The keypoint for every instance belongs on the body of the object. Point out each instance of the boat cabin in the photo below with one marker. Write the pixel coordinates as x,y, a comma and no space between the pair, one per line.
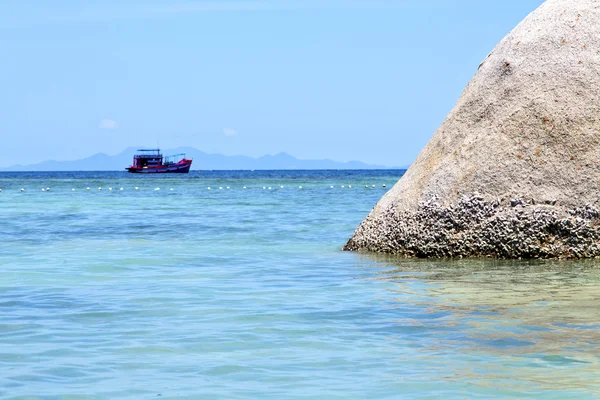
147,158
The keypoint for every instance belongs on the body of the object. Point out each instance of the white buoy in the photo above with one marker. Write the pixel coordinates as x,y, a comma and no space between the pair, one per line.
366,186
120,188
269,187
157,189
109,188
209,188
343,186
137,188
43,190
73,189
220,187
264,187
349,187
22,190
373,186
299,187
0,190
330,187
228,188
281,187
99,188
87,188
171,189
384,185
244,187
48,189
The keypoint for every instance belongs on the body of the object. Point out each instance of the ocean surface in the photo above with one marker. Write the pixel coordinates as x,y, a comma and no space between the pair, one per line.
237,293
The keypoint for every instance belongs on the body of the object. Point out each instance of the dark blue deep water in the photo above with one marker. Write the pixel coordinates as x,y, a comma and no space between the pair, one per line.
237,293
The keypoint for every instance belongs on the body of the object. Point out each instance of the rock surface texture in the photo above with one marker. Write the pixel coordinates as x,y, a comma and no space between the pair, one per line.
514,170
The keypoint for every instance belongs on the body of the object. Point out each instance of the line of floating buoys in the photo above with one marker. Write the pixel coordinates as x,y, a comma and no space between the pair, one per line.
47,189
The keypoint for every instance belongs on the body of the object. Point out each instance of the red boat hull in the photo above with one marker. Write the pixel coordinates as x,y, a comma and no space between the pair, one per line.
182,167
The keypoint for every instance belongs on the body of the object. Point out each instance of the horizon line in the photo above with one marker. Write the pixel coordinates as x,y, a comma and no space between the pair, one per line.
253,158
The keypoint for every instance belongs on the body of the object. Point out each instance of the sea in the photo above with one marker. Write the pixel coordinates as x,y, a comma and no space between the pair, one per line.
234,285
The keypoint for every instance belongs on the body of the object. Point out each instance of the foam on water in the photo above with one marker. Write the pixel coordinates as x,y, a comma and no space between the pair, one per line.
239,293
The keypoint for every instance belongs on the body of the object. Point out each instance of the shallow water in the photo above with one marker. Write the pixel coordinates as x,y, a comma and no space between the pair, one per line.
233,293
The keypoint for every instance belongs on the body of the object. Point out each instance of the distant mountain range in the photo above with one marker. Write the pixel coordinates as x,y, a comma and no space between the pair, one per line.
202,160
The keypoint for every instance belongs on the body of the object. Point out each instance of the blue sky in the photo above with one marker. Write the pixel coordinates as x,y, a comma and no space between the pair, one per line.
367,80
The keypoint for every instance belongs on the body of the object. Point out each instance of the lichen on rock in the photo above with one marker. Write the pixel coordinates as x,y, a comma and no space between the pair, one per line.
514,170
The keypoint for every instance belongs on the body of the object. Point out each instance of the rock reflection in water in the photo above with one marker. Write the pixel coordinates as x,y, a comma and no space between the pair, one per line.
535,322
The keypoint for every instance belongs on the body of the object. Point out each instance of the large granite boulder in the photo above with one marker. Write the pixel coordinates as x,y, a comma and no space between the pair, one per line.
514,171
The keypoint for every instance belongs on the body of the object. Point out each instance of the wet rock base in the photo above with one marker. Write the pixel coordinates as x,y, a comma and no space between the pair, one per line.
504,228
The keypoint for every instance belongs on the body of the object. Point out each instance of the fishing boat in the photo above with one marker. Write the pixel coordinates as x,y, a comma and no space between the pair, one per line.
151,161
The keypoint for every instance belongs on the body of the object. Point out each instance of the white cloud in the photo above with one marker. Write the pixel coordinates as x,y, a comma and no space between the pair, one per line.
108,124
229,132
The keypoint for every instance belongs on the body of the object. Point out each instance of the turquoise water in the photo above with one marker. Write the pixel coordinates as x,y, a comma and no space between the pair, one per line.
193,293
